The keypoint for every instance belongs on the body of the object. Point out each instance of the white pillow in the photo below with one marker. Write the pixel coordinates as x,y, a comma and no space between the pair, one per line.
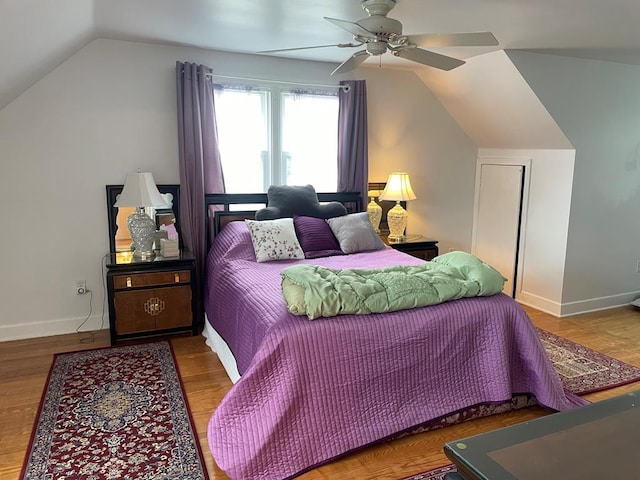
274,239
355,233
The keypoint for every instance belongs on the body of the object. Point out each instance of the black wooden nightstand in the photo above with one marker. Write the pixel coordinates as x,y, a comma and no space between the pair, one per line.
150,296
415,245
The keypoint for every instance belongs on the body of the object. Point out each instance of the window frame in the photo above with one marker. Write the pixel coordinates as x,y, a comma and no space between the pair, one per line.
274,172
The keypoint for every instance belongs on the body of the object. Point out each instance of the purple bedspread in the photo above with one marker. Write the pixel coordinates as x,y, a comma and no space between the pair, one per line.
313,390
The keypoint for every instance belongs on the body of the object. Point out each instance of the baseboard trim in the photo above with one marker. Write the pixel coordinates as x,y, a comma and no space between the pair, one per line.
539,303
575,308
51,327
596,304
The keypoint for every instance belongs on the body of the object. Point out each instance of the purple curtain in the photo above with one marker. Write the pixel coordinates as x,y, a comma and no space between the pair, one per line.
353,153
199,158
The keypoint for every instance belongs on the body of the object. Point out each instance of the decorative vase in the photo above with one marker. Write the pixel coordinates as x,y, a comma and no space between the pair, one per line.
375,214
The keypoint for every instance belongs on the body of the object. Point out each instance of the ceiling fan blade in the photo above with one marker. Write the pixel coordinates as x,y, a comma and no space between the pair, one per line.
351,27
474,39
339,45
352,62
431,59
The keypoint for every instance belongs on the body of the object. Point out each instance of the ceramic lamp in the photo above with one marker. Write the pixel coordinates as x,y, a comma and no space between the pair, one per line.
398,189
374,210
140,191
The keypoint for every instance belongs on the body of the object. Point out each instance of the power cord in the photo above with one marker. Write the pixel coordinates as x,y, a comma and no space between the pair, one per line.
90,337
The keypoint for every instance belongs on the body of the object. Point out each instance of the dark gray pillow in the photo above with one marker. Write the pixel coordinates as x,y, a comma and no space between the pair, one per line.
289,200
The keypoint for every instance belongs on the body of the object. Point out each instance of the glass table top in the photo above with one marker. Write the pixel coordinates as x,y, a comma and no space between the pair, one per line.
598,441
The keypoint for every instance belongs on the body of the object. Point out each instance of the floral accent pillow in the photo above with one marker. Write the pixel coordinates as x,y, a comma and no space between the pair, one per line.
274,240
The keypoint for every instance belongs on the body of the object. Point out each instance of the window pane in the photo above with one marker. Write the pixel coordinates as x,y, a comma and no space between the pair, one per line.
243,135
310,140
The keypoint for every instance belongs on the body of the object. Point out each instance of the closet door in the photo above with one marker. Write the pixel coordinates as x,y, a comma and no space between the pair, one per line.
498,219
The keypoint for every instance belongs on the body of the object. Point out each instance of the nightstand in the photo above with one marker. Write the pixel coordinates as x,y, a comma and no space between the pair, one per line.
150,296
416,245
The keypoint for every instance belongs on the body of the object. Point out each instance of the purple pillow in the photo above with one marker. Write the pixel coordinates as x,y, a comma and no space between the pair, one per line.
315,237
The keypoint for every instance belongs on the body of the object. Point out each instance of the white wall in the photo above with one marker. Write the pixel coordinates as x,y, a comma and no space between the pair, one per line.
489,98
545,224
409,130
110,109
597,105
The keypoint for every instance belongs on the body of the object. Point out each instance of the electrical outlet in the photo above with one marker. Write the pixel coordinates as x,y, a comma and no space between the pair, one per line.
81,287
638,266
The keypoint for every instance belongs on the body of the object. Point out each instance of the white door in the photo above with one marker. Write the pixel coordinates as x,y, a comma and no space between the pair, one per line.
498,218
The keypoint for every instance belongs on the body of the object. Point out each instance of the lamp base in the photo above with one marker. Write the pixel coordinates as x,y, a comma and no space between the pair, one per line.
143,232
397,220
400,239
375,214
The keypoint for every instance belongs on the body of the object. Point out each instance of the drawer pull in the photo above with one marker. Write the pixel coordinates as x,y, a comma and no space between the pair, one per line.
129,282
176,277
154,306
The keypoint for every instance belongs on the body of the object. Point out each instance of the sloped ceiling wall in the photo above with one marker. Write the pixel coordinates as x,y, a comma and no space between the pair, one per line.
37,36
494,105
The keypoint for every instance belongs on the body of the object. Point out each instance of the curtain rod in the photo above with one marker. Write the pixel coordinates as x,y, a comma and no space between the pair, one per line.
345,88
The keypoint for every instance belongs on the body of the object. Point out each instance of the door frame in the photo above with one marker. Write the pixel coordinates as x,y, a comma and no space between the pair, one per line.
524,208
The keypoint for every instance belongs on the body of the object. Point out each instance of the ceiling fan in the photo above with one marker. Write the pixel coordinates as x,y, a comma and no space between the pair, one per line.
379,34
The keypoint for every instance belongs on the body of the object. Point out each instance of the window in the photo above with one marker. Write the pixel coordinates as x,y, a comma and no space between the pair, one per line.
272,136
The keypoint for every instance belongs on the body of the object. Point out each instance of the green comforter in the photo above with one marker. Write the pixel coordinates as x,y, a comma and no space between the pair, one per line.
317,291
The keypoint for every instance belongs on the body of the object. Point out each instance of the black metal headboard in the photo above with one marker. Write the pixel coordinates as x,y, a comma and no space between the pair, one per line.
220,208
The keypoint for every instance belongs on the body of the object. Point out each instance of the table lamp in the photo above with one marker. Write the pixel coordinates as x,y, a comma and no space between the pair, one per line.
374,210
140,191
398,189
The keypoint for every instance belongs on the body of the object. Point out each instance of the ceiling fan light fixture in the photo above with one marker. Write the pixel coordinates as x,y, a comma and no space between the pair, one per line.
376,48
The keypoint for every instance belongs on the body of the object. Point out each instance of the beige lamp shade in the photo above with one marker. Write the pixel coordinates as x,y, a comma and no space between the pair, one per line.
140,191
398,189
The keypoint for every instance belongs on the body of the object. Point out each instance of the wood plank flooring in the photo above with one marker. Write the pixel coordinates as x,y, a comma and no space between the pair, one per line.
24,366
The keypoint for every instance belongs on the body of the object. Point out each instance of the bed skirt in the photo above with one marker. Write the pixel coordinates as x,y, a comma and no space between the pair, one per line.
216,343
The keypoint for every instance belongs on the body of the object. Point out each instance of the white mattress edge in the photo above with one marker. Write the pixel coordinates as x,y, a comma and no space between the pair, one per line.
217,344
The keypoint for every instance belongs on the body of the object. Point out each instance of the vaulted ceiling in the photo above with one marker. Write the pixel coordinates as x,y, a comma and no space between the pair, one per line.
37,35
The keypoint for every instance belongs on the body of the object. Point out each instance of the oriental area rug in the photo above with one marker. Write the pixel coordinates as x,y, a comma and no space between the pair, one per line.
114,413
581,369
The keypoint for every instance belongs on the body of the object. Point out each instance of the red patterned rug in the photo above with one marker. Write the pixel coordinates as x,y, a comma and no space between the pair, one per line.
114,413
435,474
581,369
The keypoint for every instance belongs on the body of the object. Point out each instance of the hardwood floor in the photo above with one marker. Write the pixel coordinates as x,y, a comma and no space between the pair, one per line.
24,366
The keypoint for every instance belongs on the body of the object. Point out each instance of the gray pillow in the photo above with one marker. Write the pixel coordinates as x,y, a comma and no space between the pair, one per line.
355,233
289,200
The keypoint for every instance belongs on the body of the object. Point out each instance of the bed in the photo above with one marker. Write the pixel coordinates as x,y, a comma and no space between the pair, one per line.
306,392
